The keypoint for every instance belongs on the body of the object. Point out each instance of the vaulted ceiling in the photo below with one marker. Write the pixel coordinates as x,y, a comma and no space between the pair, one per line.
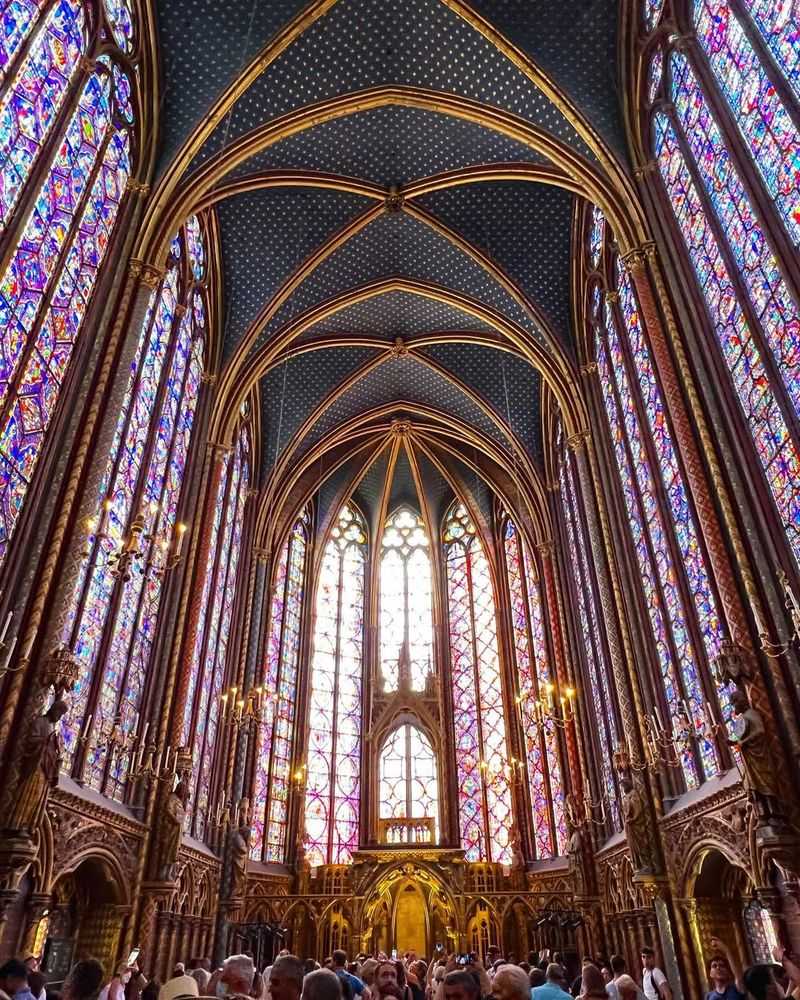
394,185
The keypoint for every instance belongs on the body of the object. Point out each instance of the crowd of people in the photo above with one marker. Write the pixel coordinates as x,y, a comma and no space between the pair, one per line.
541,976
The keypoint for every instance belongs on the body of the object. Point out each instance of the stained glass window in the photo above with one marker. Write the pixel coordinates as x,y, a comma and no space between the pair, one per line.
209,657
765,124
47,287
592,645
406,615
484,791
535,682
779,24
136,535
408,787
671,560
334,742
279,680
751,308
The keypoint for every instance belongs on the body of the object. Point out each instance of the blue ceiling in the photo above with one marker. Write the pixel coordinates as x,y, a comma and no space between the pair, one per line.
267,234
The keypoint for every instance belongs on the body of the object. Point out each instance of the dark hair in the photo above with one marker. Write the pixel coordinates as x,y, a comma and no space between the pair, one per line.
617,964
292,966
36,983
647,950
13,969
470,983
339,957
84,978
758,979
150,992
537,978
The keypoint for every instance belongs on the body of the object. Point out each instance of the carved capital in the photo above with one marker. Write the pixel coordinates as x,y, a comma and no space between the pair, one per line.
137,187
577,441
147,274
217,449
208,378
261,554
611,296
545,548
589,369
646,168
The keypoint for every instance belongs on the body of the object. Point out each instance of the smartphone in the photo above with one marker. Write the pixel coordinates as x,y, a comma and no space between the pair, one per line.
133,956
463,959
394,954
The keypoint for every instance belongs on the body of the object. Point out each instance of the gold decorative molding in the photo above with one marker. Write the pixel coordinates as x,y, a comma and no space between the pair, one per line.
578,440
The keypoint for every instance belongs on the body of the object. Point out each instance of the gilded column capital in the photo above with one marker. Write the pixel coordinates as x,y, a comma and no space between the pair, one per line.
610,295
208,378
552,487
252,492
636,258
147,274
261,554
575,442
137,187
588,369
218,449
648,167
545,548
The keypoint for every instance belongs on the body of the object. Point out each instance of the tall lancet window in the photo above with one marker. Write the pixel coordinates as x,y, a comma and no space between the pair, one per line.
535,680
590,631
725,130
334,722
679,593
408,788
484,791
209,662
132,541
66,147
406,615
279,678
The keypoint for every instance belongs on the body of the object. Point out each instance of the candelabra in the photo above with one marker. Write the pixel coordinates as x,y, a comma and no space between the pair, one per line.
549,710
792,605
245,709
163,552
299,776
662,747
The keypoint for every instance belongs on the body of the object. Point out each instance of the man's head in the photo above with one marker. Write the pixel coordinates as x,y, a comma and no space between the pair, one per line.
492,954
648,958
13,976
536,977
761,984
627,988
606,973
286,978
555,974
511,983
386,977
617,965
322,984
83,980
719,972
461,986
237,973
339,959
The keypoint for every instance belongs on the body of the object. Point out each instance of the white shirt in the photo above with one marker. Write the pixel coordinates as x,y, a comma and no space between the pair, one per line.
652,979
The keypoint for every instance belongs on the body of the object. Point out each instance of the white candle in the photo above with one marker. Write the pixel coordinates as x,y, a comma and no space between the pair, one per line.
11,648
760,625
87,725
5,626
657,715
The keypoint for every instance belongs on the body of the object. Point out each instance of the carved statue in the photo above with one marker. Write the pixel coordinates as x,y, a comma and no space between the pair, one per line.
634,816
760,780
239,849
517,855
40,759
575,855
169,832
302,866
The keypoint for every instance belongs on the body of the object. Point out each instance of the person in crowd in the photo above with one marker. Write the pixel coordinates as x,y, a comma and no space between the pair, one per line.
724,973
761,983
310,965
36,980
179,988
655,985
339,959
202,977
577,982
511,983
554,987
461,985
593,986
322,984
626,987
152,988
83,980
286,978
237,976
115,989
536,977
14,980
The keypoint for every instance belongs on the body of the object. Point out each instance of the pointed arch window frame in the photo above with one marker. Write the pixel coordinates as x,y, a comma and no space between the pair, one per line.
55,340
742,353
